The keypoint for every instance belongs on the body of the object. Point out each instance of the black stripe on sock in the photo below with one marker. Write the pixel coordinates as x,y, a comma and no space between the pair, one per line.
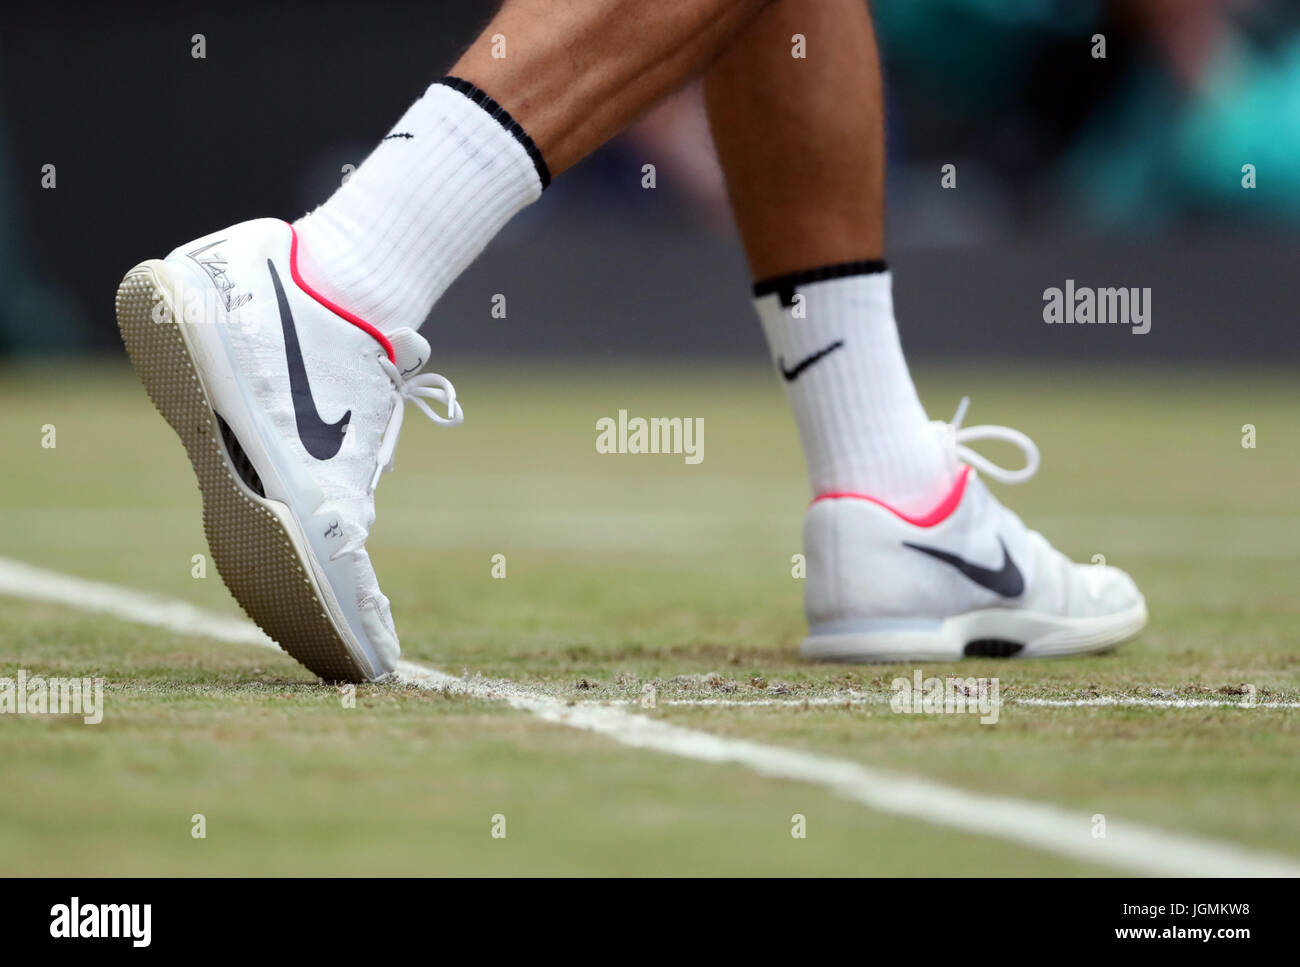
785,285
502,116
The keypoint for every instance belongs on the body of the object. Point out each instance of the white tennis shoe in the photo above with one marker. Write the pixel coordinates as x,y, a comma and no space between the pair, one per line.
966,579
290,408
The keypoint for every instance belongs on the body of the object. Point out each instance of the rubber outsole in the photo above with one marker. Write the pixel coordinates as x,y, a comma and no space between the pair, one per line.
251,539
994,633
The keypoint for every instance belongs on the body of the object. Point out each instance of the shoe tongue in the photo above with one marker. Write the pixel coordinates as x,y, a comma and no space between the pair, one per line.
410,349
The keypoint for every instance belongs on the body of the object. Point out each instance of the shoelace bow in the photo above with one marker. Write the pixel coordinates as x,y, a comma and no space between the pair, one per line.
959,436
415,389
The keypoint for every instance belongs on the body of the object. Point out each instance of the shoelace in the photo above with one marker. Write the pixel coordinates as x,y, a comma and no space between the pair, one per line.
959,436
416,389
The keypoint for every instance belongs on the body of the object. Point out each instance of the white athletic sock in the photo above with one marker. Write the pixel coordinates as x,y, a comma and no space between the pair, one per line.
421,208
835,344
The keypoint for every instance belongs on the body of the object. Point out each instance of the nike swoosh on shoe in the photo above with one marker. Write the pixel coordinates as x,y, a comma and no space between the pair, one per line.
322,440
1007,581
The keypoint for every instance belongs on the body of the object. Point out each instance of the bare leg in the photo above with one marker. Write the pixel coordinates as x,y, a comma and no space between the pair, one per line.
802,140
575,72
546,83
802,144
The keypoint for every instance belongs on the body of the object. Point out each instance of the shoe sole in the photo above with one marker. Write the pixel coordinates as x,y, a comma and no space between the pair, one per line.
987,633
256,545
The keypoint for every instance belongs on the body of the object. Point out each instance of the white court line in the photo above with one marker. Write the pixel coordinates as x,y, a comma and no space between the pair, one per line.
1127,701
866,698
1130,847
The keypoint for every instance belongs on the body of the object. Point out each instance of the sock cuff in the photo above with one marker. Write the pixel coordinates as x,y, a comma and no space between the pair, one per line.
504,118
784,286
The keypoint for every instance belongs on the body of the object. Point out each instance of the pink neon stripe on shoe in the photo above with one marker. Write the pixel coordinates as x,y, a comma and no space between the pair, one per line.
338,310
938,515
